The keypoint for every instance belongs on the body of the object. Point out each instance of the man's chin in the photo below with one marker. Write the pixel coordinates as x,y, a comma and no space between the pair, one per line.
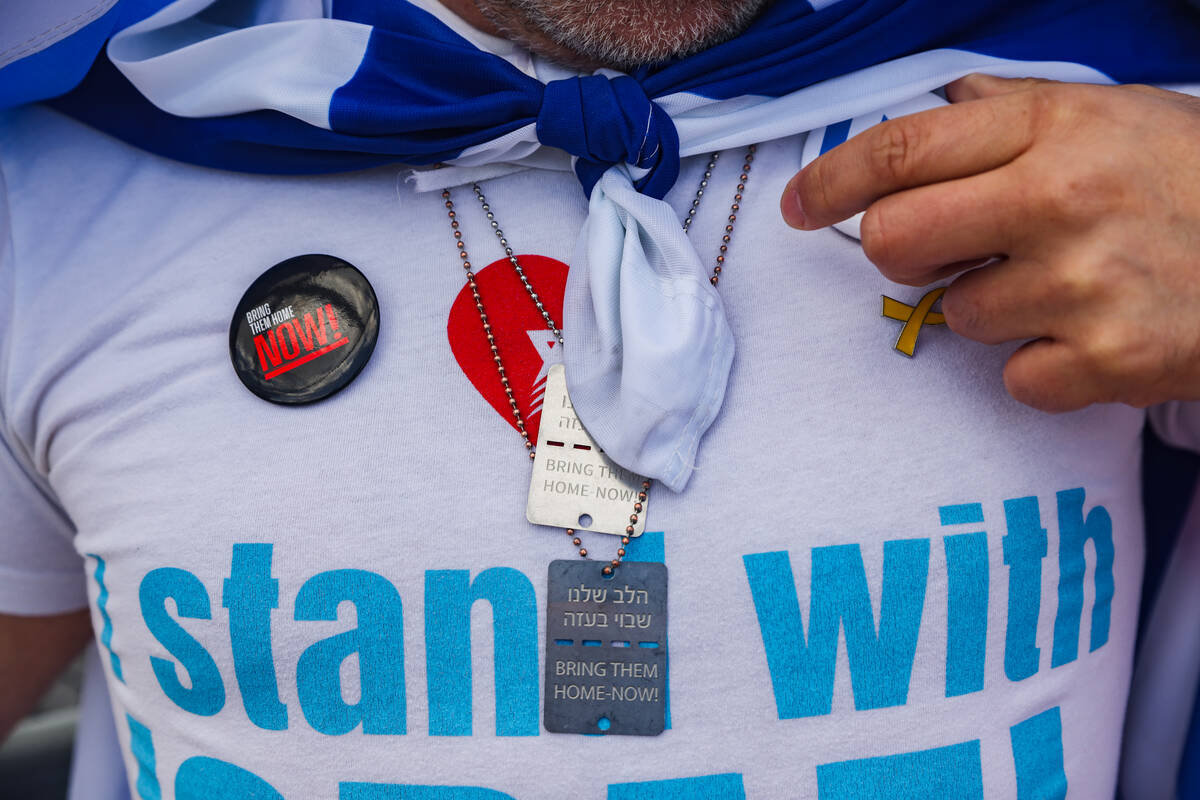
621,34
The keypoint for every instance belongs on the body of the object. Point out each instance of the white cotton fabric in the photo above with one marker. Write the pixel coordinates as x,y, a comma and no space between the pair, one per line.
119,388
40,573
126,436
652,418
97,768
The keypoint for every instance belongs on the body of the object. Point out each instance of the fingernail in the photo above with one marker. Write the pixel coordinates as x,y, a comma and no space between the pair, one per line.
793,210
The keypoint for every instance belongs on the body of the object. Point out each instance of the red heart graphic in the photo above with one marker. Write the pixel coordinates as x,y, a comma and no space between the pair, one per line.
527,347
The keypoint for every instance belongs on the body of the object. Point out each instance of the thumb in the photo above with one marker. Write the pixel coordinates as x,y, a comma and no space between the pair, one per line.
977,86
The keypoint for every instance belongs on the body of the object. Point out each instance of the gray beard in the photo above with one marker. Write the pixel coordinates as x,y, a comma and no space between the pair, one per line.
619,33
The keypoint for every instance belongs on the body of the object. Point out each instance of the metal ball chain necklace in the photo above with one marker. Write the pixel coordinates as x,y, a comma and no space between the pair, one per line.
714,279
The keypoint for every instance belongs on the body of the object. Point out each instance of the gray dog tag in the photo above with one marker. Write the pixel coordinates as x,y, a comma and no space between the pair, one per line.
606,648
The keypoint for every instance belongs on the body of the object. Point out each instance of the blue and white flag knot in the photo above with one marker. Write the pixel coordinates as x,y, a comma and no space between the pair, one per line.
268,87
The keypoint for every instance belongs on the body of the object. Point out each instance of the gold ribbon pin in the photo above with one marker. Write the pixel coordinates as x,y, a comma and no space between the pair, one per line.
913,318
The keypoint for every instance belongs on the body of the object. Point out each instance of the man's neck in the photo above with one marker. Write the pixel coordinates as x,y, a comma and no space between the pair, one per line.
472,15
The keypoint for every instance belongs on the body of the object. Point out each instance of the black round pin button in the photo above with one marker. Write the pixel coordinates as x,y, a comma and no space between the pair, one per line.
304,329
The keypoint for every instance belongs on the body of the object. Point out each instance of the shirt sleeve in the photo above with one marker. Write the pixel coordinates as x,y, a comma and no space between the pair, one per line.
40,571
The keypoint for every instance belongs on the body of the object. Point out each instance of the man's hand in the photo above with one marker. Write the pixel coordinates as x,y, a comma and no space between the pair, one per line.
1088,196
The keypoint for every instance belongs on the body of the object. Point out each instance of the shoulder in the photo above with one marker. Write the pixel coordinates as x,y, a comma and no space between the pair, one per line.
34,137
59,177
80,202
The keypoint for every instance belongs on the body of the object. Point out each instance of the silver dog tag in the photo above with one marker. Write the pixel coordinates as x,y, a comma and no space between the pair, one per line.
574,484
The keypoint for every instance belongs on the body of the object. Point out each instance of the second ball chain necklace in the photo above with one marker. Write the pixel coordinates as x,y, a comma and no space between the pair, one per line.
519,421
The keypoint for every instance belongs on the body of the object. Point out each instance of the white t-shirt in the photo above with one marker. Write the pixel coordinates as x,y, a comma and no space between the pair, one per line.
887,578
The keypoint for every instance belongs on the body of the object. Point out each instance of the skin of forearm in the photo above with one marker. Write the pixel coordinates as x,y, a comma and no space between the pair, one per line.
33,652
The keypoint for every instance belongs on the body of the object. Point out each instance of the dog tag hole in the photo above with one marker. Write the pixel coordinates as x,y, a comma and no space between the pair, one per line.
585,520
604,723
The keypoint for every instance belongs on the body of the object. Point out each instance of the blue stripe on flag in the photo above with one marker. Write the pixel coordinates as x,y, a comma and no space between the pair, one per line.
835,134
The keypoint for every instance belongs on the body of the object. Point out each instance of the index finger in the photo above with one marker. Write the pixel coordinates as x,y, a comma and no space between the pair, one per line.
954,141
